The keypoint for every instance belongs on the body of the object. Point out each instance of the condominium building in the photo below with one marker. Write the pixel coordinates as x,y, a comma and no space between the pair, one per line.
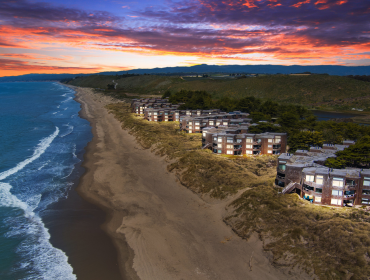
237,141
305,174
196,124
138,106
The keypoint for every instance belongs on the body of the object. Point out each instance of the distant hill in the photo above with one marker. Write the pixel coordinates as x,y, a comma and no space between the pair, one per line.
204,68
260,69
39,77
318,91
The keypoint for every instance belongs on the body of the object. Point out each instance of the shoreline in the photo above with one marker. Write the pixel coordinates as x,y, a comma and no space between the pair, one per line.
160,229
125,255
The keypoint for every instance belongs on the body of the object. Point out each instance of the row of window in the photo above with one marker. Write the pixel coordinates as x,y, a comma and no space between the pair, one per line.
337,182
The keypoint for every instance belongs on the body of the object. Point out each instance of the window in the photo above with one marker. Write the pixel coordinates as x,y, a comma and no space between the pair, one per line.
365,201
249,152
269,140
155,113
317,198
230,140
219,145
338,182
249,140
269,152
366,192
197,127
217,123
269,146
238,140
210,122
335,192
310,178
229,146
229,152
367,182
214,138
219,151
249,146
204,134
219,139
318,190
224,123
282,167
336,201
319,179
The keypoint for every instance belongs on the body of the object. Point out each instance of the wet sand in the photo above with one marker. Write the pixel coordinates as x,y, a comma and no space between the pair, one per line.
161,229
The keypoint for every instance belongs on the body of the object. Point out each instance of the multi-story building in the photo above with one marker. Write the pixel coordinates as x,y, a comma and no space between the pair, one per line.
305,174
197,124
139,106
163,114
237,141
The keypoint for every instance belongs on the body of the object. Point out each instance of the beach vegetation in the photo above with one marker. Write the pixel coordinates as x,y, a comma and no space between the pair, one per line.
330,242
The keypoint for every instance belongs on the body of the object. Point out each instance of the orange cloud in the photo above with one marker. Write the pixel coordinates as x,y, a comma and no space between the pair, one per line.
301,3
250,4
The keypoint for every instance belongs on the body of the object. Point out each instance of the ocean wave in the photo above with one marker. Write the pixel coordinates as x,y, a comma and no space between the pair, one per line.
42,166
39,258
69,98
40,149
69,131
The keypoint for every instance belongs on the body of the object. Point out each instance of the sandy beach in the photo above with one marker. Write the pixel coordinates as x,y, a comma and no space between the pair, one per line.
161,229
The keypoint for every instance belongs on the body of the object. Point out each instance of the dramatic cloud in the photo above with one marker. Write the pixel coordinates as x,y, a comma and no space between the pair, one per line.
270,31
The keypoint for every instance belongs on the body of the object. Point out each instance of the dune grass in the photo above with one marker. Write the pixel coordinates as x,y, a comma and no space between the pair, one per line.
334,243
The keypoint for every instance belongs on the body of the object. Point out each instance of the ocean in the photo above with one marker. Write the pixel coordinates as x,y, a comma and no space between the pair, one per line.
42,140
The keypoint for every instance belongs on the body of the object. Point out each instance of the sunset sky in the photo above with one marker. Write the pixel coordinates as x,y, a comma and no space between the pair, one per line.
86,36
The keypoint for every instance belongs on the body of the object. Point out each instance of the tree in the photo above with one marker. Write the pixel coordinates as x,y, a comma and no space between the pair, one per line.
248,104
303,140
357,155
167,93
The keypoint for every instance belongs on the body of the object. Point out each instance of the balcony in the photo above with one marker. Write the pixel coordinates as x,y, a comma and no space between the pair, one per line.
349,196
350,187
280,175
256,147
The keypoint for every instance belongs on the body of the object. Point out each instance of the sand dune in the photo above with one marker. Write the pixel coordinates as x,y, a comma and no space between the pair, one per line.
161,229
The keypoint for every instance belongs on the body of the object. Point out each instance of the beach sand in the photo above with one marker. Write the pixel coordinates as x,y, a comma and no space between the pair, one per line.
161,229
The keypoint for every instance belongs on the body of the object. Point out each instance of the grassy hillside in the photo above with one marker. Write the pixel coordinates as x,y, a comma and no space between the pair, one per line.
319,91
332,242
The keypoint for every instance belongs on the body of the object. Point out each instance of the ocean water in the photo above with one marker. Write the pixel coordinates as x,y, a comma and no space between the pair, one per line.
41,142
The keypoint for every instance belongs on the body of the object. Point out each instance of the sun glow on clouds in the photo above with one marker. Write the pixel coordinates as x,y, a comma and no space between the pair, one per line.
39,37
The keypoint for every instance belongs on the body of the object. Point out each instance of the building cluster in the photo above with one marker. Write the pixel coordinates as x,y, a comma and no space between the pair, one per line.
223,133
237,141
304,173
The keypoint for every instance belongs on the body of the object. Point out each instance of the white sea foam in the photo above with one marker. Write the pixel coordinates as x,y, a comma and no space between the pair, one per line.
69,98
39,257
40,149
69,131
42,166
55,113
